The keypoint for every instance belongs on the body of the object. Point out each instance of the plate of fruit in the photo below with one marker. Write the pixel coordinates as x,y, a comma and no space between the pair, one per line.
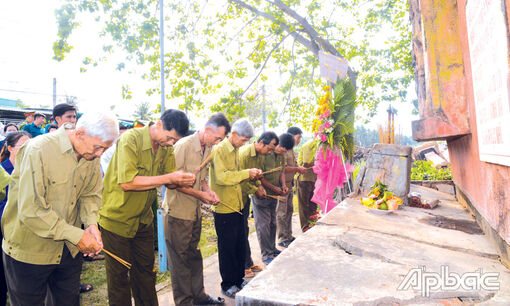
380,200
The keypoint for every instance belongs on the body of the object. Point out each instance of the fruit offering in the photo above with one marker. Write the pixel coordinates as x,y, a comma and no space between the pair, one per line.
380,198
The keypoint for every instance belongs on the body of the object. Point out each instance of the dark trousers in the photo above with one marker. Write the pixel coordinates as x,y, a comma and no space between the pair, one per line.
185,259
28,284
284,211
246,214
231,248
3,282
264,211
139,252
306,207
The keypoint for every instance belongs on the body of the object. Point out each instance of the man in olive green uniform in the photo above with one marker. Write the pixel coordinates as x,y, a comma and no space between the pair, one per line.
183,218
306,184
56,188
252,156
225,178
143,160
264,210
285,209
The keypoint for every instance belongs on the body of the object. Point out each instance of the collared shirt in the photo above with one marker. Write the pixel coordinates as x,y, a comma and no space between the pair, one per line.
272,161
123,211
249,159
52,194
290,160
188,157
33,129
225,177
307,155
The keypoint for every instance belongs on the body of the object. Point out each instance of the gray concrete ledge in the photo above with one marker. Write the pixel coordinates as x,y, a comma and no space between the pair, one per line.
353,256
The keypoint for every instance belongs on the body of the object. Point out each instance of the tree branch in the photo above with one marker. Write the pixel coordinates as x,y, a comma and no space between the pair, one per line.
310,45
242,28
314,35
263,66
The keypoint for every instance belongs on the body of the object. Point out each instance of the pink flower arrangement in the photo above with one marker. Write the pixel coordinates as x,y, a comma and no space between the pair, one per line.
325,115
323,138
327,125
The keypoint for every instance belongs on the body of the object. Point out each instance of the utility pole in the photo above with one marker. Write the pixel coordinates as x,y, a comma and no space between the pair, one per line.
162,54
54,92
263,108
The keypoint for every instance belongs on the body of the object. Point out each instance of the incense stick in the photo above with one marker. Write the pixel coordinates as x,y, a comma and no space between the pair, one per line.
272,170
122,261
205,162
279,198
228,206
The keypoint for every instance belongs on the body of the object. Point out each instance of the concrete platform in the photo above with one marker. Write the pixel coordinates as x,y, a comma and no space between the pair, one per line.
353,256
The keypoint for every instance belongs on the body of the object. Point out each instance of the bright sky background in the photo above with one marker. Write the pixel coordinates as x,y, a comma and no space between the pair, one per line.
27,32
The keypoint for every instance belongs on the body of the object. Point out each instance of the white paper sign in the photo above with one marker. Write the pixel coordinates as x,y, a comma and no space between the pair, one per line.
332,67
488,46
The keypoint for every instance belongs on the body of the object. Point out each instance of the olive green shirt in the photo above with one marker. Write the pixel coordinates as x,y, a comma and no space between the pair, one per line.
249,159
123,211
290,161
188,157
307,155
270,162
52,194
225,177
5,179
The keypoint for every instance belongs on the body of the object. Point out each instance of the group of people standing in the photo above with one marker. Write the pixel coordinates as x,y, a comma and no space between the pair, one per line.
59,204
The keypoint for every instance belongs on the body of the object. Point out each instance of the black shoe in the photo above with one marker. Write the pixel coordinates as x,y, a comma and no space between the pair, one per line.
276,253
212,301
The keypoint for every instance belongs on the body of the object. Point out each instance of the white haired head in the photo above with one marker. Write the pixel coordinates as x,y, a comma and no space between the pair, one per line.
100,125
243,127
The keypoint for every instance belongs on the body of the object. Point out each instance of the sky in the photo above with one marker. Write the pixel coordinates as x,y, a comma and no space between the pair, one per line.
27,32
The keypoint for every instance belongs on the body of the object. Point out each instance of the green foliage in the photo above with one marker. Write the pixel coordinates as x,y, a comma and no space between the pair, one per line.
357,167
343,115
142,111
213,48
424,171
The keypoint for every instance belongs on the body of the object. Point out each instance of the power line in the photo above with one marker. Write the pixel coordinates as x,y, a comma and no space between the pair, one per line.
30,92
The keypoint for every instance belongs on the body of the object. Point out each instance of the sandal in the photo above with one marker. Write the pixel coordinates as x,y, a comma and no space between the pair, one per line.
248,273
86,288
231,292
256,268
212,301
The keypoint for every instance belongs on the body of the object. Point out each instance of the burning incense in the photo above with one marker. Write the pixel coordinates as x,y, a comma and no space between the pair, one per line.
122,261
205,162
228,206
272,170
278,198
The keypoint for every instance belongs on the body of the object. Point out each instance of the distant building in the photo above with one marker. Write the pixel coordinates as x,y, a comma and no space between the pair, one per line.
461,51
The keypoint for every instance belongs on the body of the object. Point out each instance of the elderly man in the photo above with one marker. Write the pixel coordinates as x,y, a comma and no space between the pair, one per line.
226,175
56,188
264,210
35,128
143,160
252,156
183,218
306,184
285,209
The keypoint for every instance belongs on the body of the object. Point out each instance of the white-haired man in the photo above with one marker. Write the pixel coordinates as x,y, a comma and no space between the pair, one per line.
55,189
225,177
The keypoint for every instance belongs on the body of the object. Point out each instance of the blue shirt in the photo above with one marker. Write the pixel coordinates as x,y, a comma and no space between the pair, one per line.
33,129
8,167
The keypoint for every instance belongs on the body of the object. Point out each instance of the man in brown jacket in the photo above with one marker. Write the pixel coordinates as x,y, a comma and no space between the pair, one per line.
183,218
